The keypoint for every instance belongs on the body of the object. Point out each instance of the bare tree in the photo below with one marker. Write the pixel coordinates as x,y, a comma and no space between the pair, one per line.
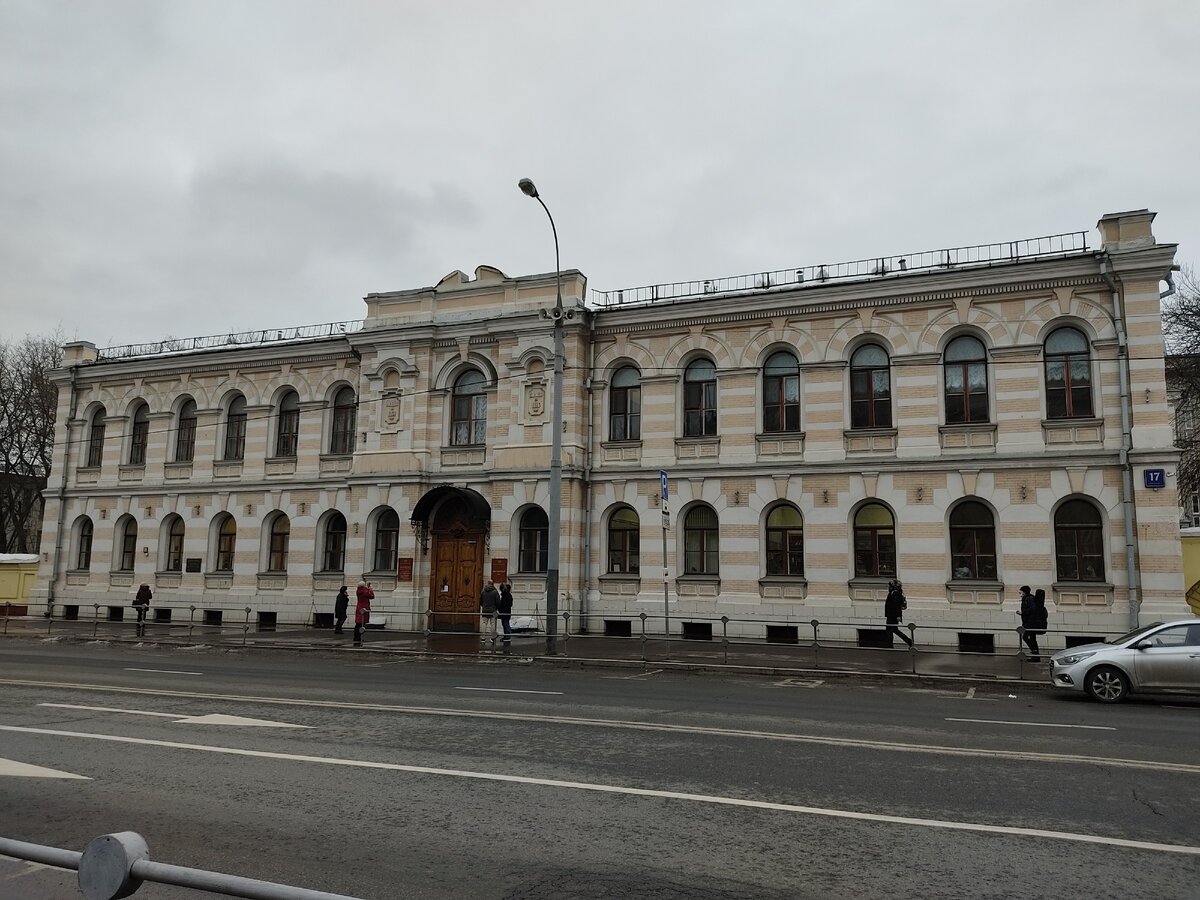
1181,330
27,411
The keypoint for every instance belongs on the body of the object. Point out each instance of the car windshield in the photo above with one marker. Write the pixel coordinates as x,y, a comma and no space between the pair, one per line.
1131,635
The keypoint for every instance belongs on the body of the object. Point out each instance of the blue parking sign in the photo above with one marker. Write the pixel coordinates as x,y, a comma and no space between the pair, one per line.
662,479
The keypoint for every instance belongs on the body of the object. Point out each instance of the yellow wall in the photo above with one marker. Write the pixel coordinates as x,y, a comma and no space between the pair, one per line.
16,582
1191,569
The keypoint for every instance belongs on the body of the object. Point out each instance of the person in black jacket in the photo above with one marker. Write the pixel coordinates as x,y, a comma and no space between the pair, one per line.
893,609
1034,619
340,605
504,610
489,598
141,603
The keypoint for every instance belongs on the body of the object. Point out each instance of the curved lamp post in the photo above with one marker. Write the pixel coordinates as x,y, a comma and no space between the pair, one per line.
554,514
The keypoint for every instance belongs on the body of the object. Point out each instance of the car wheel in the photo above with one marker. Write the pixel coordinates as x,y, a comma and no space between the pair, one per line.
1107,684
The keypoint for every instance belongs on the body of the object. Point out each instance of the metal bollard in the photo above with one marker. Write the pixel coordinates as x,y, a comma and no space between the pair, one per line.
912,650
642,616
816,644
725,637
566,632
95,619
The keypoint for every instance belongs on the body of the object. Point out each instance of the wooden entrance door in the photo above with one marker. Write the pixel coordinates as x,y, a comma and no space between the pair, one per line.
457,571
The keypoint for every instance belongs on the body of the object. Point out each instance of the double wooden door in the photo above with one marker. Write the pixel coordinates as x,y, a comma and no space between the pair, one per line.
457,574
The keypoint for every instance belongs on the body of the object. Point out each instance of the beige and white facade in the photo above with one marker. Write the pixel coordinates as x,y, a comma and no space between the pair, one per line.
968,421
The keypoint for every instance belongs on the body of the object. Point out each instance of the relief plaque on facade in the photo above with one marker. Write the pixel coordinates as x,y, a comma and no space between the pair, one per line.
391,411
535,400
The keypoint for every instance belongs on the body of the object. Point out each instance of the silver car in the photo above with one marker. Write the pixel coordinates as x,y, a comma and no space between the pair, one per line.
1164,656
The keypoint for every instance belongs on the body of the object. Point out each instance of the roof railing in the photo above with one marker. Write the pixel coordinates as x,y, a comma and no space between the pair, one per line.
291,334
979,255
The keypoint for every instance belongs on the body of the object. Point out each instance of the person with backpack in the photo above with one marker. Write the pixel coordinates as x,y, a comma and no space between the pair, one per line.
893,610
141,604
1040,620
339,610
504,610
1028,619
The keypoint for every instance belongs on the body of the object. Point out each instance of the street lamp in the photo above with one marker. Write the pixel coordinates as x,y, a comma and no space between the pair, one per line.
556,424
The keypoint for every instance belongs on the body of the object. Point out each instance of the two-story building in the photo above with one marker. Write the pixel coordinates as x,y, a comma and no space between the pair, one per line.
967,420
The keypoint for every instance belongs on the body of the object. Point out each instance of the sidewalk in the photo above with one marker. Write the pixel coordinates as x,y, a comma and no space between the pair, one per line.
828,658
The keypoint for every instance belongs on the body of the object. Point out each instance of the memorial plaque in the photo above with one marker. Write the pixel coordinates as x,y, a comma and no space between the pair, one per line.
404,568
499,569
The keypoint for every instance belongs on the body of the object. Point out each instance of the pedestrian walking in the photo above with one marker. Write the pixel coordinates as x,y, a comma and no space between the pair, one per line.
1028,615
504,610
489,599
339,610
893,610
362,610
141,603
1040,619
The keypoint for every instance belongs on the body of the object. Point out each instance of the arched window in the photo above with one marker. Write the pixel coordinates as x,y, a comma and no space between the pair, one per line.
700,542
785,541
468,412
966,382
387,541
874,542
870,388
185,432
226,543
700,399
281,533
534,541
235,429
287,434
95,447
623,542
625,406
140,435
1079,542
972,542
781,393
83,556
345,408
174,559
1068,375
126,545
335,544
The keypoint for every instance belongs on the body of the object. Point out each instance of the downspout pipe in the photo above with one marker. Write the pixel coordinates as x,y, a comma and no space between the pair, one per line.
1131,573
587,477
62,495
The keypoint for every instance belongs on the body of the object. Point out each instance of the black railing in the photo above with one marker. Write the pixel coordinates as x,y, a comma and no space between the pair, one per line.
232,339
979,255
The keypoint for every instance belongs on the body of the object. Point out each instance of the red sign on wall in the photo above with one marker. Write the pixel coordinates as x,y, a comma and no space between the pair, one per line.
499,569
404,568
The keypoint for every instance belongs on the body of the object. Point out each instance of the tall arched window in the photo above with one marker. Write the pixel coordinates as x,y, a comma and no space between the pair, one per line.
785,541
966,383
781,393
281,533
387,541
139,436
1079,542
174,560
625,406
287,434
1068,375
334,559
468,409
700,399
341,435
127,534
870,388
972,541
95,447
701,537
623,543
226,543
185,432
235,428
874,542
534,541
83,556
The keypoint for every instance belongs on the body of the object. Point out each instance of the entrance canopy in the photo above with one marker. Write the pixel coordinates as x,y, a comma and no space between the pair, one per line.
480,510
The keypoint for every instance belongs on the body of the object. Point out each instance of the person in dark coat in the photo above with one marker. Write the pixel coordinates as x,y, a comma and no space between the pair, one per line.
339,610
362,611
489,599
504,610
1039,620
1028,618
141,603
893,610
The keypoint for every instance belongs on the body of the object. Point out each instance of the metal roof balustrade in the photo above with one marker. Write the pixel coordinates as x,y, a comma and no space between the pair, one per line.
226,341
979,255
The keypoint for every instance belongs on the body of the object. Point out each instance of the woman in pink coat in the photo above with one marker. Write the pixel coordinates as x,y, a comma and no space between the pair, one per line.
362,611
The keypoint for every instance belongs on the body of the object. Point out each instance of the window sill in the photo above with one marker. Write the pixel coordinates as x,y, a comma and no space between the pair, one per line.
1083,593
783,587
693,448
706,587
1073,431
870,440
780,443
621,451
975,592
621,576
968,436
868,588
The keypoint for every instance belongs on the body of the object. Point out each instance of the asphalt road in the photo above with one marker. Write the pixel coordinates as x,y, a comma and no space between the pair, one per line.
501,780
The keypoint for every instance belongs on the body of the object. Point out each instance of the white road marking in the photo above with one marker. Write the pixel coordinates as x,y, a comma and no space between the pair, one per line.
970,693
185,718
25,770
1034,724
798,682
163,671
507,691
978,827
823,740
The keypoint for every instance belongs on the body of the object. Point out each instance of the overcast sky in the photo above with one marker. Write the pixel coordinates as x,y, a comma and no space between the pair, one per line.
171,169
